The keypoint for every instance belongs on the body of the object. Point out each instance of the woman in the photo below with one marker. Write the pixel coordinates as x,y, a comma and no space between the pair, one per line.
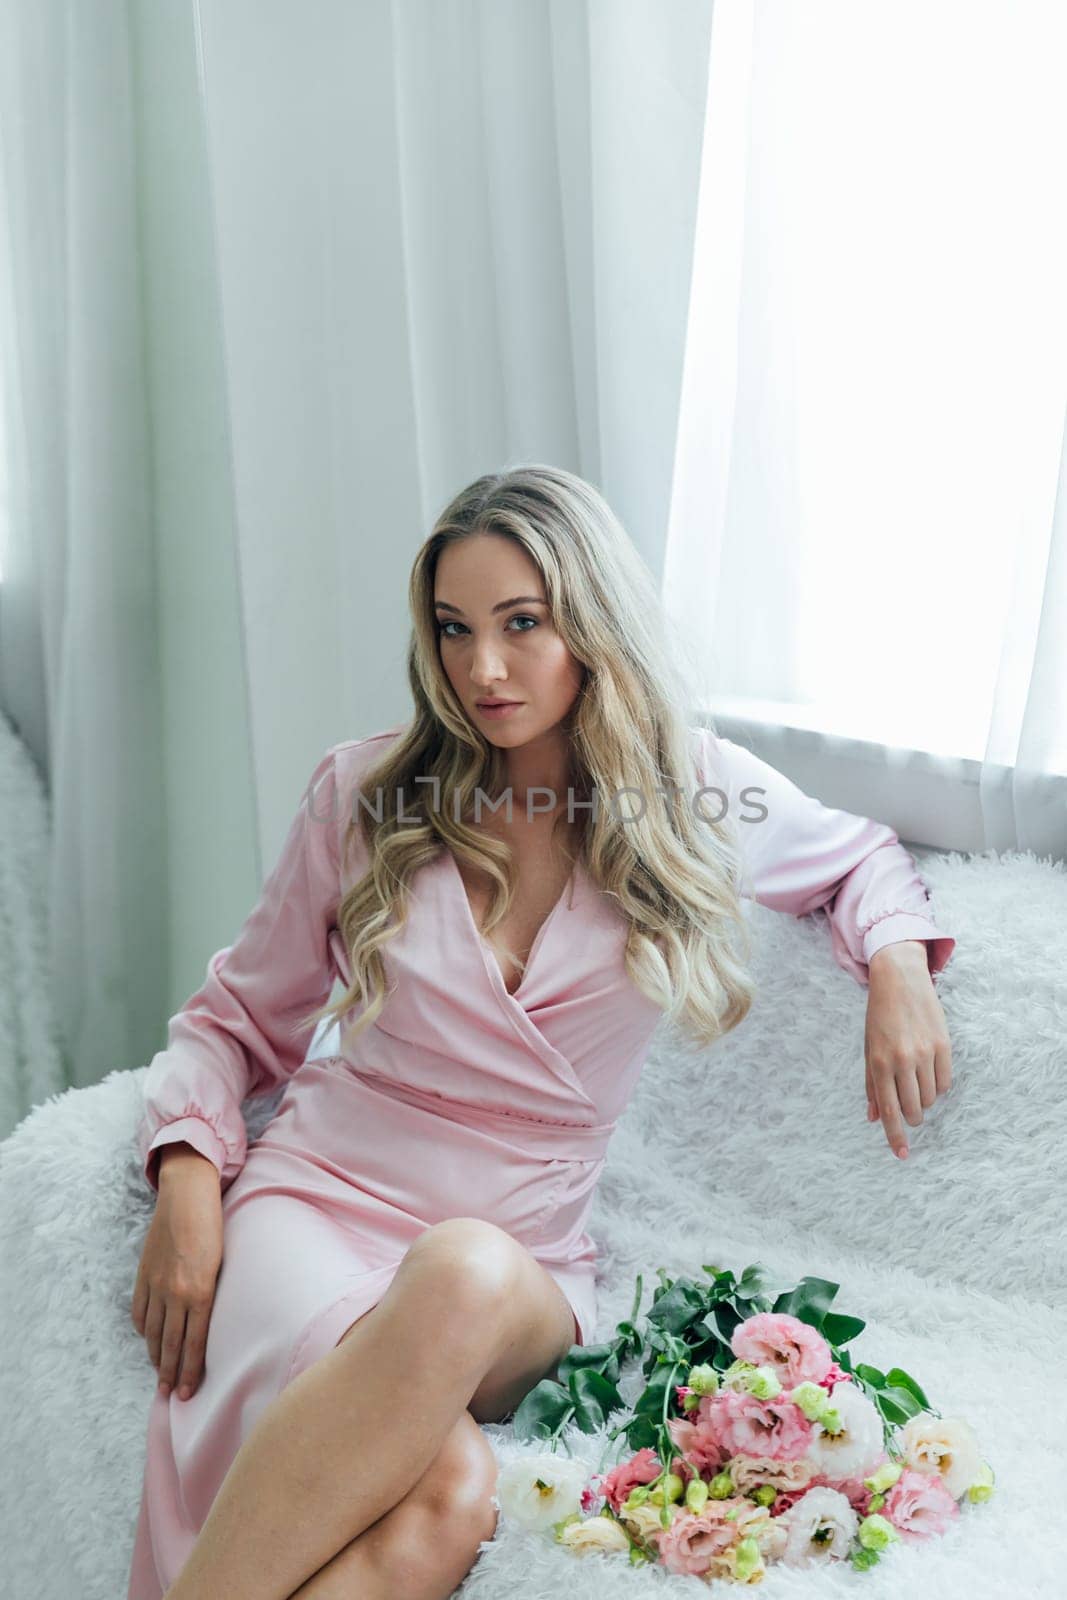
405,1245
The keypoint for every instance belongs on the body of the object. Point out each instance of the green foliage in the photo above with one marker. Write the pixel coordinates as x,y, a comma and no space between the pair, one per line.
690,1322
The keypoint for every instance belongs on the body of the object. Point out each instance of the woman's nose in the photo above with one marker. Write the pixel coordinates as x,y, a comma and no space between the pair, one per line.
487,666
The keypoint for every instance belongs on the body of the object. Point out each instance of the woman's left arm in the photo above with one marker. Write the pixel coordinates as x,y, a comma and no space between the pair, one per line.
801,856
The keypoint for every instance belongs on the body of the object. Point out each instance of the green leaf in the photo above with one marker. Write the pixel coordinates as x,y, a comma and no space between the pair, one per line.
759,1280
839,1329
724,1278
677,1309
809,1301
594,1398
604,1357
642,1434
542,1410
871,1375
890,1410
650,1401
707,1326
903,1380
726,1319
903,1399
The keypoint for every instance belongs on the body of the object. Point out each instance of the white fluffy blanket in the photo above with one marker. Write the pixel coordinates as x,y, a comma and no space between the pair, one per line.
31,1057
756,1149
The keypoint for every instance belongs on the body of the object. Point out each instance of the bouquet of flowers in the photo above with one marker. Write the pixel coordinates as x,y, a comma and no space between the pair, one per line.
754,1440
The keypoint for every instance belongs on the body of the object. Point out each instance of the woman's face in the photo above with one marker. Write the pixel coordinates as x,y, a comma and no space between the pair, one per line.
497,641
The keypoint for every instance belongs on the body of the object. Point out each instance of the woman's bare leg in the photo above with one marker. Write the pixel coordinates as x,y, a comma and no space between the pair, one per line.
424,1547
470,1321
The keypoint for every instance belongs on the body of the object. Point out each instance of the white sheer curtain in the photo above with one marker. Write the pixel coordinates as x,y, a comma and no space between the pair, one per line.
868,535
80,656
344,259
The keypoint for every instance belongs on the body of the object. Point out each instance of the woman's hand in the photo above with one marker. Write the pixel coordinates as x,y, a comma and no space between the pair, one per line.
180,1263
909,1054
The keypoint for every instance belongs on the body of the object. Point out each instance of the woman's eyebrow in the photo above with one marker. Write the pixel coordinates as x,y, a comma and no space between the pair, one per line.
518,600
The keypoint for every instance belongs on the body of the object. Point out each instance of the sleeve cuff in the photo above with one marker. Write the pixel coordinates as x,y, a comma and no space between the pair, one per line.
193,1130
907,925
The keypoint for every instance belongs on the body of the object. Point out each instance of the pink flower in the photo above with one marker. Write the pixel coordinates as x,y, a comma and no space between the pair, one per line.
745,1426
590,1497
855,1492
692,1542
796,1351
853,1489
919,1505
698,1444
789,1497
836,1374
641,1468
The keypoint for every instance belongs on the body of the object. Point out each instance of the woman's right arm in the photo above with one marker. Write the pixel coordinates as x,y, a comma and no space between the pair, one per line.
235,1036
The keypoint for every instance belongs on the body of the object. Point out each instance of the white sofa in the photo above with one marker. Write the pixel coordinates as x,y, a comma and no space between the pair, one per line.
756,1149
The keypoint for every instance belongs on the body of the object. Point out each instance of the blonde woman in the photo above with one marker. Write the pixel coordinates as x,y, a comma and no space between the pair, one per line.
514,887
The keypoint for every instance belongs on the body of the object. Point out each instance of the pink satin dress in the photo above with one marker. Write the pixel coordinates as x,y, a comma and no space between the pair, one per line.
462,1099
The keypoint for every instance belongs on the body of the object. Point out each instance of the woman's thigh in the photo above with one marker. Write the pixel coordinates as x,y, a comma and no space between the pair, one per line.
283,1262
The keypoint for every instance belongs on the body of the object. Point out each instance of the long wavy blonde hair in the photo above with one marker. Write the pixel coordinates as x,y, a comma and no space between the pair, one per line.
674,874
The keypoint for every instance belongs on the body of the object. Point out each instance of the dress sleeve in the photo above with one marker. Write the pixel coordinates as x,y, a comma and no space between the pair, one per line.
237,1035
801,856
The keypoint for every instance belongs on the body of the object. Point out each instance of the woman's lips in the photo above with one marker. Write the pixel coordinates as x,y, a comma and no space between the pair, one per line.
499,710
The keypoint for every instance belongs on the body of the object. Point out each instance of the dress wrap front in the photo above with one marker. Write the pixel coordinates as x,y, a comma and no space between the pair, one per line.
460,1099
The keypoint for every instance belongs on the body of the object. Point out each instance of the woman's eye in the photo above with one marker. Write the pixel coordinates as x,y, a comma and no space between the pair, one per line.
520,618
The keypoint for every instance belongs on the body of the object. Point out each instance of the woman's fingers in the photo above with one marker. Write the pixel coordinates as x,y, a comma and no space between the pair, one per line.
196,1326
925,1077
907,1084
153,1333
889,1111
139,1304
173,1336
943,1066
176,1338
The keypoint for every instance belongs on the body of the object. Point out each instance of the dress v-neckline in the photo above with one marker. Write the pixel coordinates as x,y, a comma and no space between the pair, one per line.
488,953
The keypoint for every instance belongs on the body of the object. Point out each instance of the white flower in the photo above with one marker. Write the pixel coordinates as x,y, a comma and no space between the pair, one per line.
946,1445
538,1490
820,1526
645,1521
594,1534
855,1450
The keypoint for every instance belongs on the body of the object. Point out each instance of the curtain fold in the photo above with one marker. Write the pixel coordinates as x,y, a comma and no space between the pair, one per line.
1024,775
79,532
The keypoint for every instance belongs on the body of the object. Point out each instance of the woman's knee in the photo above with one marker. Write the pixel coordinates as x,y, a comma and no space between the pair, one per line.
476,1264
461,1479
426,1545
451,1508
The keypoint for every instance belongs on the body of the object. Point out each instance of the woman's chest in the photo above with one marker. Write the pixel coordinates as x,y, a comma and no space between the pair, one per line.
543,867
